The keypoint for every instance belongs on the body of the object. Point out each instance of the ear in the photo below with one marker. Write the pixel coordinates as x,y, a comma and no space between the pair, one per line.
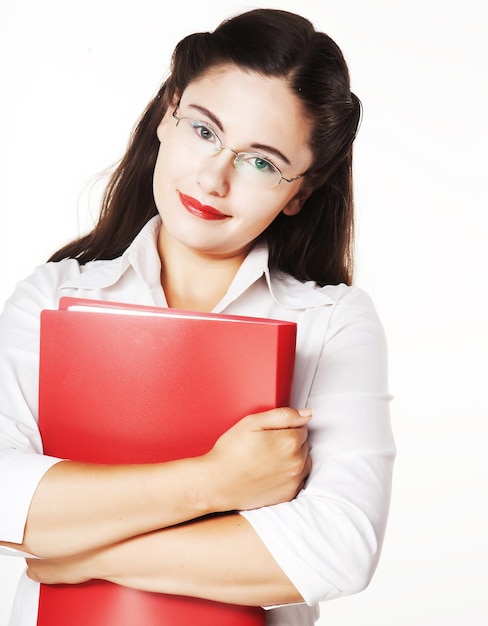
167,117
164,123
294,206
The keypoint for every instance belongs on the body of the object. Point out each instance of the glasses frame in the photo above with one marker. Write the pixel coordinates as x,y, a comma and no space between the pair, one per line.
236,160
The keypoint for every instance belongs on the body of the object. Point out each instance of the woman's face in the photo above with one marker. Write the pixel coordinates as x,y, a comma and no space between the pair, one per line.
204,203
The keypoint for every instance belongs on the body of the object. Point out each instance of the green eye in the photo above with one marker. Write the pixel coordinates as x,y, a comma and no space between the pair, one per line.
262,165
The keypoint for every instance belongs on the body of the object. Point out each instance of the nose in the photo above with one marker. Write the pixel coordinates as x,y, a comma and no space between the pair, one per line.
216,171
222,147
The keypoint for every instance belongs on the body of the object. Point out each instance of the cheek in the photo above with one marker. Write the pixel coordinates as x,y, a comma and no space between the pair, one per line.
162,180
270,209
260,218
169,167
158,168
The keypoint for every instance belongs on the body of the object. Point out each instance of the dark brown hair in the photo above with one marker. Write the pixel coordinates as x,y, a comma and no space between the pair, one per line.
317,243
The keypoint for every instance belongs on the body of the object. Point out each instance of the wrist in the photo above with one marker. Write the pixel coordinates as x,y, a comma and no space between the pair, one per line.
211,486
200,488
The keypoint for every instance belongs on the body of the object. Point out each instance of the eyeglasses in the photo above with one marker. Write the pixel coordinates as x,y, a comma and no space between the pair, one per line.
252,166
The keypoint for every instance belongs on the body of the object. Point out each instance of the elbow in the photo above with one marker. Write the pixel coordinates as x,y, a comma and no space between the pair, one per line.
345,563
349,581
357,579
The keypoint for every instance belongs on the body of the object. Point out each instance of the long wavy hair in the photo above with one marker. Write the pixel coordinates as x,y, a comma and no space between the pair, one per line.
317,243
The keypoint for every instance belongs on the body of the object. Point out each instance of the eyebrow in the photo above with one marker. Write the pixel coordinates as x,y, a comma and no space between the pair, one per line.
256,146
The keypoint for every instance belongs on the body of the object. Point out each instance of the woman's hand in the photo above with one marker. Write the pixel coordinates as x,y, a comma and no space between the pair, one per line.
262,460
68,570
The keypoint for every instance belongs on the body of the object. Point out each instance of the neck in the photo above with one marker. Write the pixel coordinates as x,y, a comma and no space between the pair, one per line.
194,281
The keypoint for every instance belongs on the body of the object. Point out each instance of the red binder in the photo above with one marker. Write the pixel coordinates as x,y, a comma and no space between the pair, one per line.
135,384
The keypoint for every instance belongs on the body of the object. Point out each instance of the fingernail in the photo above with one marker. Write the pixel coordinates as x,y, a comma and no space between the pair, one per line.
307,412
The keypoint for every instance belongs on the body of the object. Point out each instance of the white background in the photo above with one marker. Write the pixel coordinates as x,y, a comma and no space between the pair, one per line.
74,77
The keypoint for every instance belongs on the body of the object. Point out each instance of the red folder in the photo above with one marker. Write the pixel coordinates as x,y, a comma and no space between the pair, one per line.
135,384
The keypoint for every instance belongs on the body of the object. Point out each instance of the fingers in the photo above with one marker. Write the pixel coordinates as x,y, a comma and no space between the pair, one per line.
306,469
262,460
283,417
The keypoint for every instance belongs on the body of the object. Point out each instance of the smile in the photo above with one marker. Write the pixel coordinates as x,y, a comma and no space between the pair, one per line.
202,211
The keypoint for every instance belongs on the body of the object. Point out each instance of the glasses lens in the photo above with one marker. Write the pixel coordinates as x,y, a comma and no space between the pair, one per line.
257,170
198,136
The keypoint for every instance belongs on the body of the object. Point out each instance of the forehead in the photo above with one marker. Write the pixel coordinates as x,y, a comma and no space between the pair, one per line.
251,106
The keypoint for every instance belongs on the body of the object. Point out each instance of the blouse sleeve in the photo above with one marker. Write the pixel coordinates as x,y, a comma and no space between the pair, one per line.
328,540
22,463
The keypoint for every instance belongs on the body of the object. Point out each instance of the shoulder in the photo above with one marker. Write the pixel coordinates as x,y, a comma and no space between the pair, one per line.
41,289
341,311
42,284
19,320
309,294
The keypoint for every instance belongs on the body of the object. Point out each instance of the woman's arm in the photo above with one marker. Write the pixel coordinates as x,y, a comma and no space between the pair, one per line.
52,508
218,558
78,507
324,543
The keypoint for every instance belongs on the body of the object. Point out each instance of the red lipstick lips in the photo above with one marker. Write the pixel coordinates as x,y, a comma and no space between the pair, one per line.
203,211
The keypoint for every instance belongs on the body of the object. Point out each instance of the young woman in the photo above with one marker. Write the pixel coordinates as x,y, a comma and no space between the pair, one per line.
234,196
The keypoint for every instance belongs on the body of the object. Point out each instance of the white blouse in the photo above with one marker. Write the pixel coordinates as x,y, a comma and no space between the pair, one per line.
328,540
